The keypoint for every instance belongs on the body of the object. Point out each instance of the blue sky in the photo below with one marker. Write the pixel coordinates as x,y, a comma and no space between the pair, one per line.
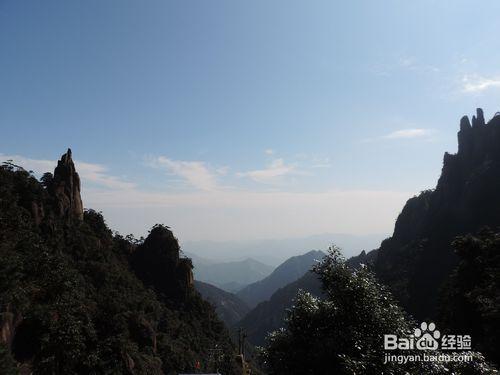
231,119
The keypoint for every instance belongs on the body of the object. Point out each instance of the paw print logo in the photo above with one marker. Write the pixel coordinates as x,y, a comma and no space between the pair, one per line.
427,336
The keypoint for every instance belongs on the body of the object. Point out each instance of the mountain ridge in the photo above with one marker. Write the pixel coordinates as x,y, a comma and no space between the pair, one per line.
228,306
287,272
233,275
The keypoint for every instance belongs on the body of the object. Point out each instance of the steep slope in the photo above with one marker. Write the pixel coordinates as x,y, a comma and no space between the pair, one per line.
231,275
75,298
365,258
289,271
268,316
418,258
229,308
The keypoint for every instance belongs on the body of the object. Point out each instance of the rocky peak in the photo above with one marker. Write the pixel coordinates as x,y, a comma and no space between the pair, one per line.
162,241
472,139
66,188
478,120
157,263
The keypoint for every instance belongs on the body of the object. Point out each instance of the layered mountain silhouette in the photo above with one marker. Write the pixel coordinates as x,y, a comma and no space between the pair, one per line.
418,258
274,251
228,306
289,271
230,276
268,316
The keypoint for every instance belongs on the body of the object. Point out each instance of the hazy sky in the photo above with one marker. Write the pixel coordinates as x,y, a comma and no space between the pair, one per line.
245,119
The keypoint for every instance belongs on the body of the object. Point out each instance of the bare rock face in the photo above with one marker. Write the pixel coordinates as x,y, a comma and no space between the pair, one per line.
66,188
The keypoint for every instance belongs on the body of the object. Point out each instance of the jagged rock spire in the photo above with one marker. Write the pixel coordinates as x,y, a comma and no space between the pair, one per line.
66,185
469,135
465,123
464,138
478,120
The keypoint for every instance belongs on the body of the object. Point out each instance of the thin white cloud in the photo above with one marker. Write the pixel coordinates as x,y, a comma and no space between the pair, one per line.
94,173
269,151
196,173
409,133
411,63
404,134
273,173
318,162
407,62
474,84
98,174
222,170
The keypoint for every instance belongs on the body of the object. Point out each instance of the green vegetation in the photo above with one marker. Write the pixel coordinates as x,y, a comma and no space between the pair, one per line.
343,333
74,304
471,299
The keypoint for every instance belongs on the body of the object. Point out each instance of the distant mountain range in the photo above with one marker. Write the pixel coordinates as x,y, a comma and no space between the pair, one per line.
268,316
289,271
230,276
276,251
229,307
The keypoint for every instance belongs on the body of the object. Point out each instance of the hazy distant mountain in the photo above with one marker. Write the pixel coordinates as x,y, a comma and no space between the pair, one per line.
291,270
197,260
229,307
276,251
231,276
268,316
233,286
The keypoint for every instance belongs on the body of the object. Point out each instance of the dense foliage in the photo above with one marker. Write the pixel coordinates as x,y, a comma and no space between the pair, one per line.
71,304
343,333
471,304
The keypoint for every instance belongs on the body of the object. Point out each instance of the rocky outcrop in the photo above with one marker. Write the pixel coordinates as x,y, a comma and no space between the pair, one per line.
157,263
418,258
66,188
287,272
